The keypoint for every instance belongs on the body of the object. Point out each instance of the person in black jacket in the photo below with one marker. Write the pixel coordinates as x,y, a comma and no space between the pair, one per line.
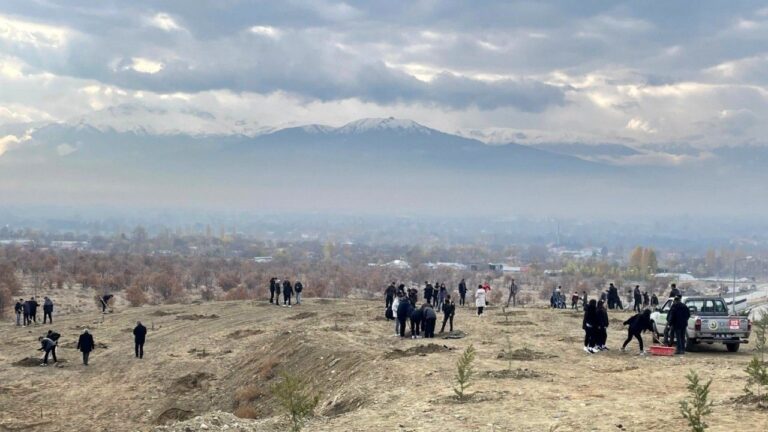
449,310
26,308
462,293
287,293
139,337
417,317
389,293
428,291
674,292
272,288
86,344
18,308
298,287
47,310
654,301
638,297
638,324
678,320
403,313
413,296
49,343
602,327
33,310
589,324
430,320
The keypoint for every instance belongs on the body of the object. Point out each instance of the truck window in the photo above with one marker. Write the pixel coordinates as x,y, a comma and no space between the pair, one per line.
667,305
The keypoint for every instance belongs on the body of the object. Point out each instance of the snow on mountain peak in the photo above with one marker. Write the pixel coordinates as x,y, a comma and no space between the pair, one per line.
380,124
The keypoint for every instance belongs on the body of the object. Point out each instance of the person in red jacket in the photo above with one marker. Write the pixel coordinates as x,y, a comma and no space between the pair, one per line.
487,289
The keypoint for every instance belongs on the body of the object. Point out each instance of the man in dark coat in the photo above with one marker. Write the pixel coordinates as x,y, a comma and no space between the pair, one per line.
678,320
389,293
272,288
428,291
462,292
33,310
638,297
27,308
298,287
49,343
287,293
430,320
403,313
417,317
512,294
86,344
139,337
449,310
674,292
47,310
18,308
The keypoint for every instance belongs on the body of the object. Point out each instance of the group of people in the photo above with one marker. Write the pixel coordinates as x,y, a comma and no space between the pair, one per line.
402,307
276,287
595,322
26,311
86,344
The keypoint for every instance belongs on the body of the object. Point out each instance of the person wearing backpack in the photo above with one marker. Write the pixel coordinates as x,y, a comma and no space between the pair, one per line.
449,310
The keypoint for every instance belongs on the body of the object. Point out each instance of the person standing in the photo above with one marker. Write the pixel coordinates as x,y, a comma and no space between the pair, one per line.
428,291
584,300
272,288
389,294
589,324
18,308
602,327
575,301
430,319
512,294
638,324
86,344
417,318
646,299
47,310
487,288
287,293
33,304
462,292
674,292
480,300
403,313
278,285
27,308
298,287
441,294
654,301
678,319
449,310
393,309
638,298
139,337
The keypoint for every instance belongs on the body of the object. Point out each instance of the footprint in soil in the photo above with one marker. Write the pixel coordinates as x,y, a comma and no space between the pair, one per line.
195,317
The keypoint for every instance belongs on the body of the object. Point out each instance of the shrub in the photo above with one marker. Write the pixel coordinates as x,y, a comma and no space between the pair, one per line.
464,371
757,372
136,296
697,407
297,398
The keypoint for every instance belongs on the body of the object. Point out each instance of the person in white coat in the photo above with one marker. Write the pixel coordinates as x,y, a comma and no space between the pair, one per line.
395,304
480,300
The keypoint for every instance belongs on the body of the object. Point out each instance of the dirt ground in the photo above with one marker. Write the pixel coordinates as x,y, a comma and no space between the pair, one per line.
224,355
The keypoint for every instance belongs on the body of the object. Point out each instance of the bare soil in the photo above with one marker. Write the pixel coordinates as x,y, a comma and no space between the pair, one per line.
368,379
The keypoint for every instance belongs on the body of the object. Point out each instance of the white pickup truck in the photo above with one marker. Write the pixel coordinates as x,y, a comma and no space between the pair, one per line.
709,323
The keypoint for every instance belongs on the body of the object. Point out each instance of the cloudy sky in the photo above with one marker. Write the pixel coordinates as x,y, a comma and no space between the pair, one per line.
666,72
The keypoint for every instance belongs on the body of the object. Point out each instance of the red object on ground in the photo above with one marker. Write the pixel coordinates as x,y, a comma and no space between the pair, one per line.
661,350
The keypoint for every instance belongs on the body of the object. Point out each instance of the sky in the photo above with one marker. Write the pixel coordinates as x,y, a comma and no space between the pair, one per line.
640,73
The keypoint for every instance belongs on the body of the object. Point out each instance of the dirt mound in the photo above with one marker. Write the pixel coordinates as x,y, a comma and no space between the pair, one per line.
458,334
343,406
512,374
222,421
173,415
419,350
195,317
302,315
162,313
28,362
524,354
192,381
240,334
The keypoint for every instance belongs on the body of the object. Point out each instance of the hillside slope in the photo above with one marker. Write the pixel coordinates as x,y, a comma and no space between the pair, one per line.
224,355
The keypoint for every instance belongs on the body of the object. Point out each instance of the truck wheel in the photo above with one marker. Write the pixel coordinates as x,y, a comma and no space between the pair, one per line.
732,347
